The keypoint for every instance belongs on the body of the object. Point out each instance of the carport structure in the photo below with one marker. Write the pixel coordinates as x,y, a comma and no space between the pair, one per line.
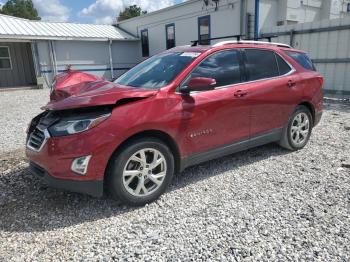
30,49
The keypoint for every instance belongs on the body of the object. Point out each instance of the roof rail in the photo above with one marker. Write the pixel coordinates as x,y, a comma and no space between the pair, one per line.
238,37
250,42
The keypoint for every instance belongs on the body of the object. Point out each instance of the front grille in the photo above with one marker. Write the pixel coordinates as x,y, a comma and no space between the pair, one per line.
36,139
37,132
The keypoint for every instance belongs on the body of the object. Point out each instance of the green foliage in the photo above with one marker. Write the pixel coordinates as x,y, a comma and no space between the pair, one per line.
130,12
20,8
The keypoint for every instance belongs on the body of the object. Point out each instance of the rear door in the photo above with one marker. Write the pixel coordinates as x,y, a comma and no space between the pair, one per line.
272,87
217,117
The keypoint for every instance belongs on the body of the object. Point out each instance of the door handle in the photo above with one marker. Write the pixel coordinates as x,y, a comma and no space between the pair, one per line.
291,83
240,93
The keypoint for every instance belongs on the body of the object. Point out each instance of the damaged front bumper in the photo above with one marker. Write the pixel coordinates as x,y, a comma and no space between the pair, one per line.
93,188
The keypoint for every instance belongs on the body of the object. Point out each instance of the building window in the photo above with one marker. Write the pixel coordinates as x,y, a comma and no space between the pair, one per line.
145,43
348,9
5,59
170,36
204,30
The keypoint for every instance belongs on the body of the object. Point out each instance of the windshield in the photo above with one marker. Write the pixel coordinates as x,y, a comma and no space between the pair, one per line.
157,71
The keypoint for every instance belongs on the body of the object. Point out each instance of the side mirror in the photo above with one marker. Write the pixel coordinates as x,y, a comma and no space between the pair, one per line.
199,84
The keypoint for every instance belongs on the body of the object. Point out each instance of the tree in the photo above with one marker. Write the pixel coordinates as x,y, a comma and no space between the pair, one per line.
20,8
130,12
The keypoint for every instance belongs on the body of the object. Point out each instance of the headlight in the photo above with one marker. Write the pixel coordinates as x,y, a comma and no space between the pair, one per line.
72,126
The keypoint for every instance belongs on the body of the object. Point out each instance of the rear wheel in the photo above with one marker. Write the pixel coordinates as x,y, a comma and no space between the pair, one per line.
298,130
140,172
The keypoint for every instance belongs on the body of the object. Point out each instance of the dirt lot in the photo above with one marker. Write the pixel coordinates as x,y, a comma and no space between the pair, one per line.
263,204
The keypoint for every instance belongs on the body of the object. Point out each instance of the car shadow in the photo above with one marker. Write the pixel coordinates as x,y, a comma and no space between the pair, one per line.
28,205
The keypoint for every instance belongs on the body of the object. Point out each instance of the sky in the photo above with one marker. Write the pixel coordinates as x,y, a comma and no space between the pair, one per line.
92,11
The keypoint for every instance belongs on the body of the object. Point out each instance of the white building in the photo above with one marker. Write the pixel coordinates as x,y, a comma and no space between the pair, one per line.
200,19
30,49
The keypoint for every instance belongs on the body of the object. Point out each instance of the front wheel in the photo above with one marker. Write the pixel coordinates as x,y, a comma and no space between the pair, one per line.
140,172
298,130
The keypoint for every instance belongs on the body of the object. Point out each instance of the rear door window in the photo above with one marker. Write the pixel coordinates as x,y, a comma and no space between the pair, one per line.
260,64
223,66
283,67
302,59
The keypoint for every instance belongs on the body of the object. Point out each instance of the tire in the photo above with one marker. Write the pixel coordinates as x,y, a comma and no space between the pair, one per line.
132,180
296,127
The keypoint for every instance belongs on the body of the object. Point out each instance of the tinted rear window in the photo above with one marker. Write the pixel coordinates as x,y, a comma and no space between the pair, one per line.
302,59
260,64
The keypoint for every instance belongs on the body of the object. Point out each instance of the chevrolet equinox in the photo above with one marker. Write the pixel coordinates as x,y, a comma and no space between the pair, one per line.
176,109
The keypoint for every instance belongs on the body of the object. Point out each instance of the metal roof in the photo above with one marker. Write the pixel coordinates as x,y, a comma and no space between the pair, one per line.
23,29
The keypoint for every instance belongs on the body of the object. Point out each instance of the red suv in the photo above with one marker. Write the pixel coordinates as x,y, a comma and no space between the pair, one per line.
176,109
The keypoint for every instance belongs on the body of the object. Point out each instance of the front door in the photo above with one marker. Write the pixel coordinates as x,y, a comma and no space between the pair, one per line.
217,117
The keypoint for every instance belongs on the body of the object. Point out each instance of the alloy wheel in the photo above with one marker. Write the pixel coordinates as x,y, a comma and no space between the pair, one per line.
300,128
144,172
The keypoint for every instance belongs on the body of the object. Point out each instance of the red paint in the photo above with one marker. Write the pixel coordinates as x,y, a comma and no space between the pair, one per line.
63,83
199,83
96,94
196,122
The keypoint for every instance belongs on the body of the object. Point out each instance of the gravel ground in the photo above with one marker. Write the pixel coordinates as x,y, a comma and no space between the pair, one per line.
263,204
17,108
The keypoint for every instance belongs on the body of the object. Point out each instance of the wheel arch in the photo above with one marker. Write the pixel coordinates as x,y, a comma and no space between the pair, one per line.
311,108
161,135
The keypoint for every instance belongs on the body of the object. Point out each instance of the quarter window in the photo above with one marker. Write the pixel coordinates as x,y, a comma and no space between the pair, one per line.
204,30
302,59
222,66
5,59
260,64
145,43
170,36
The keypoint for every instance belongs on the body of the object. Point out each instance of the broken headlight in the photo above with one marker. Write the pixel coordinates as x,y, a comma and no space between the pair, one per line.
69,126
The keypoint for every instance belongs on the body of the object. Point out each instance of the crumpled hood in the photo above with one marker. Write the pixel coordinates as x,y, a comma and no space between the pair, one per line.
93,94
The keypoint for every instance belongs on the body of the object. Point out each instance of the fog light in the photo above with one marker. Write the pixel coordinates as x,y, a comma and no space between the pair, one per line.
80,165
